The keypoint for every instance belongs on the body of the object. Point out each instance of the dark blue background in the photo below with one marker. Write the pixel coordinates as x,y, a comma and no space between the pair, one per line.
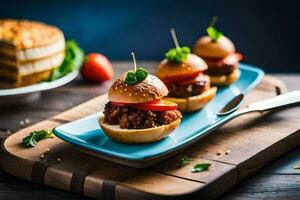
265,32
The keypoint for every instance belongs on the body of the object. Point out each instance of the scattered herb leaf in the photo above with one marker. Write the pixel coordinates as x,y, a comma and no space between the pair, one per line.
178,54
213,33
200,167
35,136
74,57
184,160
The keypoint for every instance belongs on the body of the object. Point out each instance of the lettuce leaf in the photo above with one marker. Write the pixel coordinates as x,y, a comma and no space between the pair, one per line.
74,57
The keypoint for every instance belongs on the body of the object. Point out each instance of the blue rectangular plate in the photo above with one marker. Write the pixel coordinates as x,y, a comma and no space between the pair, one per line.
86,133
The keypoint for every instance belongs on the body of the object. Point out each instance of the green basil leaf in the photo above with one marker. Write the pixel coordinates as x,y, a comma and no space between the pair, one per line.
171,54
130,78
186,50
178,54
184,160
74,57
213,33
200,167
35,136
141,74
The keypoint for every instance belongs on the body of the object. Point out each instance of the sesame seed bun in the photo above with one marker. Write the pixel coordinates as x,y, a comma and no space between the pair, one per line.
136,136
191,65
150,89
205,47
225,79
193,103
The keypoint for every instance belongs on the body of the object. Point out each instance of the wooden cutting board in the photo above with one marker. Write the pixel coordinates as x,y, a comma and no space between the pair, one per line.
252,140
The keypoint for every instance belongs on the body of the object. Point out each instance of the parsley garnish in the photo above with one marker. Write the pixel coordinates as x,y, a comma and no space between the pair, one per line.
212,32
183,160
35,136
136,76
200,167
74,57
177,54
131,78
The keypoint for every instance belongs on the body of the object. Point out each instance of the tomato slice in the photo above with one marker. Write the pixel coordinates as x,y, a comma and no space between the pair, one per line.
174,79
193,80
160,105
155,105
232,59
121,104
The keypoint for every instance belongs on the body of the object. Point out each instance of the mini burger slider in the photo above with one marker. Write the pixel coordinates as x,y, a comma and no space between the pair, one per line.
220,55
136,112
182,72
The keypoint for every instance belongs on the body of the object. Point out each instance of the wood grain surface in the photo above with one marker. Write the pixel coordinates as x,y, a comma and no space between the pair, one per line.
78,92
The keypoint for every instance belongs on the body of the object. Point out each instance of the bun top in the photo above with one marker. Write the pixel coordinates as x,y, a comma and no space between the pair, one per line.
191,65
205,47
149,89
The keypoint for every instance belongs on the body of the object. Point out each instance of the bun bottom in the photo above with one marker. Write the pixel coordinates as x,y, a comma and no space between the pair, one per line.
226,79
195,102
137,136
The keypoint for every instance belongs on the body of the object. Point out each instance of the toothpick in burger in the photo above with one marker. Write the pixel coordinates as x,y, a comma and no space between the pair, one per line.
182,72
136,112
219,53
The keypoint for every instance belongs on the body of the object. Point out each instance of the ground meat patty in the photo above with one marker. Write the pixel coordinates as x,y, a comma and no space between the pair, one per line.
131,118
183,91
220,70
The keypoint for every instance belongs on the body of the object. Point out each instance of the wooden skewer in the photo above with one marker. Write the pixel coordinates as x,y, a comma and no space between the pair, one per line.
173,33
134,61
213,21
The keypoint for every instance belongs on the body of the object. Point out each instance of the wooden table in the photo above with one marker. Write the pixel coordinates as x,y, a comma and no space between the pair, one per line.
276,181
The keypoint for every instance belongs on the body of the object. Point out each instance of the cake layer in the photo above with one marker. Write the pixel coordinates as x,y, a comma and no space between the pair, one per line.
24,40
31,54
25,80
9,70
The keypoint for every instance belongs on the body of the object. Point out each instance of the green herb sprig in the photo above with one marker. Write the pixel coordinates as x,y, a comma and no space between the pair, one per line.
177,54
74,57
32,139
183,160
200,167
212,32
136,76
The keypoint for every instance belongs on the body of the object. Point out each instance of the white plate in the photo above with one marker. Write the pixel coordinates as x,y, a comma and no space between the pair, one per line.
31,92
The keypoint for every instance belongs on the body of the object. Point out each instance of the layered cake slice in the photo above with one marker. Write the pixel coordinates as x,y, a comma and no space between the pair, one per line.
29,51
